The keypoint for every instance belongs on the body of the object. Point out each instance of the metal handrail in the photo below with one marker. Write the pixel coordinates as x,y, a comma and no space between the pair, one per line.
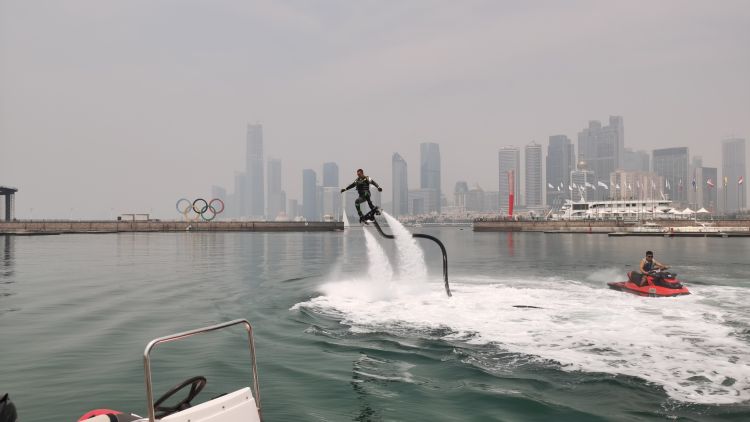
433,238
180,336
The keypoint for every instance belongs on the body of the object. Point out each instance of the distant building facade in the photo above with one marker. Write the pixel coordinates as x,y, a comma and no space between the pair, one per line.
400,185
330,175
734,167
602,148
561,161
673,165
310,195
636,160
276,197
429,171
254,196
534,178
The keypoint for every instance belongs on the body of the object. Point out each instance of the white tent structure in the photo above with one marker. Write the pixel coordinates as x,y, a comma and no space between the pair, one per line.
703,211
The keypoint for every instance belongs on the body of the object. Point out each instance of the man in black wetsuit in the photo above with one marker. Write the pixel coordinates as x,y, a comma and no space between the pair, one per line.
362,183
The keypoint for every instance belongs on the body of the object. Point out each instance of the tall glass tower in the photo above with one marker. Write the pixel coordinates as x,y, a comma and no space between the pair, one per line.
733,166
400,188
533,179
310,195
429,171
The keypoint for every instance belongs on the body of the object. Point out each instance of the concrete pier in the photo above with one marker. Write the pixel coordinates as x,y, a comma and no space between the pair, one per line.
32,227
10,200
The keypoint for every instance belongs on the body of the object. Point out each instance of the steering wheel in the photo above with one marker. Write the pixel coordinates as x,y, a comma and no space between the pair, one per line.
196,386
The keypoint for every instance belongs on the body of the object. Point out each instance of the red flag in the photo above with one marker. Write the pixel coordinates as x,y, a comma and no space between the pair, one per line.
710,183
741,180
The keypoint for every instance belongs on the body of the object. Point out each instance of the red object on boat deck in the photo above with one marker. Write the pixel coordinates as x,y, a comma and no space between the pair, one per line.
97,412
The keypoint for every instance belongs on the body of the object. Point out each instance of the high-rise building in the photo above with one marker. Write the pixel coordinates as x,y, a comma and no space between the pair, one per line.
603,149
254,195
561,160
330,175
310,195
533,172
292,209
703,195
276,197
421,201
673,165
734,168
509,161
583,184
430,172
637,185
460,193
400,189
331,203
636,160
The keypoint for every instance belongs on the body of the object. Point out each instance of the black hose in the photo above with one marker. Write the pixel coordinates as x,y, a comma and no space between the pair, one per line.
433,238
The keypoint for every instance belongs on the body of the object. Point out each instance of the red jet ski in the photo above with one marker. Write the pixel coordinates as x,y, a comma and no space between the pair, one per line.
653,284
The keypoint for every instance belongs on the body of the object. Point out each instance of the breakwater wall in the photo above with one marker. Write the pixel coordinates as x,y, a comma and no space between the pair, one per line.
108,226
588,226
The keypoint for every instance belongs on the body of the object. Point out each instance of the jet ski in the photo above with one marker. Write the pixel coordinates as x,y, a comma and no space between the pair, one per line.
652,284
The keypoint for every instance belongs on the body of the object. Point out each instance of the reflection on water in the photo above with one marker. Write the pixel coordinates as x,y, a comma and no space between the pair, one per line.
7,254
6,273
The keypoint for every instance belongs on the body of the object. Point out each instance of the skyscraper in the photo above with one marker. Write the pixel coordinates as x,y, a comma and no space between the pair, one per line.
330,175
400,189
430,172
636,160
310,195
254,196
459,193
673,165
509,160
734,167
276,197
561,160
533,180
602,148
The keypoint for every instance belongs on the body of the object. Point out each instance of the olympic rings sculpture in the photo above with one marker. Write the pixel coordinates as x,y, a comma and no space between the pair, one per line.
202,209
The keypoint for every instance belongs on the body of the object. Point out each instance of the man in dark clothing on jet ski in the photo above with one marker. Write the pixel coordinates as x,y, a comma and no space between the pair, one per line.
362,183
647,265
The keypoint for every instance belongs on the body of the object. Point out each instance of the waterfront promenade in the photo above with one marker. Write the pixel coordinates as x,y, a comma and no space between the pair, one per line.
32,227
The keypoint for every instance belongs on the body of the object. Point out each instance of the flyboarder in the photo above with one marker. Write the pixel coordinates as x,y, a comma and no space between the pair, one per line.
363,183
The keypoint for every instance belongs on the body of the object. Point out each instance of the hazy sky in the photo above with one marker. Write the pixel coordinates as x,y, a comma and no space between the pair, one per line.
109,107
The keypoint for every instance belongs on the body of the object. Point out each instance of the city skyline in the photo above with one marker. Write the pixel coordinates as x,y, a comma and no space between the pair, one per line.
133,129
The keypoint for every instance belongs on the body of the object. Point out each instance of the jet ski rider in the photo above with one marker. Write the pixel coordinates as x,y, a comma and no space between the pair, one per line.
649,264
362,183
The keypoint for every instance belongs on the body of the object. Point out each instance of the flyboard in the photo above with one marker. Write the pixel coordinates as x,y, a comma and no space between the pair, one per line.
370,216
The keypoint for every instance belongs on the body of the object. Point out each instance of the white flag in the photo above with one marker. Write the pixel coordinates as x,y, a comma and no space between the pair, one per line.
549,185
617,186
570,187
604,185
